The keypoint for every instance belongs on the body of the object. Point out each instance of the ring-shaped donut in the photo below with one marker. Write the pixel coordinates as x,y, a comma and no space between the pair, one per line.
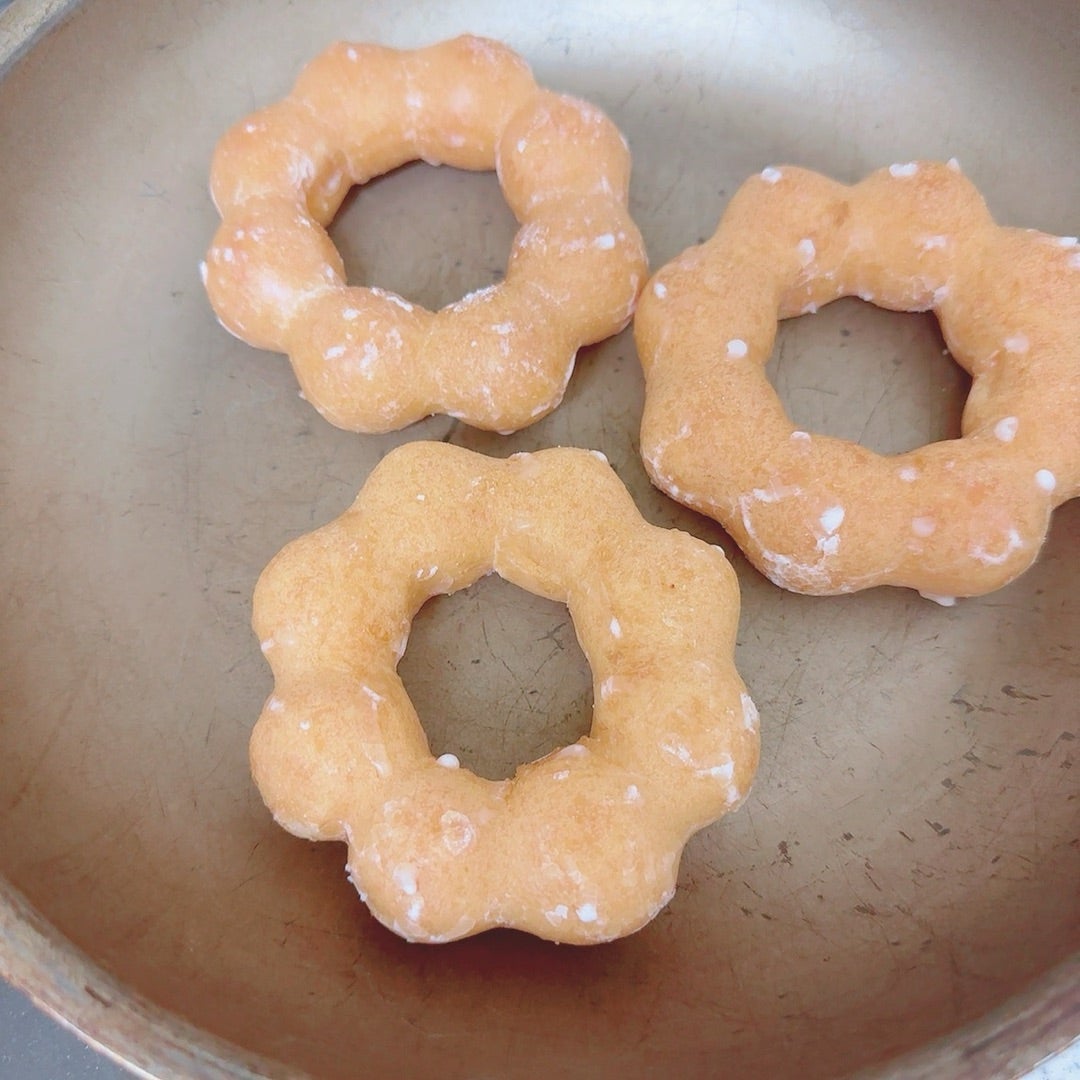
822,515
580,846
370,360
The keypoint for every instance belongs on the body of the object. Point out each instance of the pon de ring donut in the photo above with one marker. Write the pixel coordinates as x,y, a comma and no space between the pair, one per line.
580,846
821,515
367,359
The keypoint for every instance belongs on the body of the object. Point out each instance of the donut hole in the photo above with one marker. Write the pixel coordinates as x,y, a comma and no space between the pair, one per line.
883,379
497,677
431,234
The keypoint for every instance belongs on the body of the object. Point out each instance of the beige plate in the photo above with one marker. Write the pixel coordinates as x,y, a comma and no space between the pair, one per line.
908,861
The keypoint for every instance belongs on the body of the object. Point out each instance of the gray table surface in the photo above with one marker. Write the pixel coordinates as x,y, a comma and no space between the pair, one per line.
34,1047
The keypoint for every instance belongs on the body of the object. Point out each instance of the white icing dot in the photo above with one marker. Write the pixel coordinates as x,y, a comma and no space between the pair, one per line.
575,749
809,309
228,255
607,687
749,712
929,243
373,696
616,629
448,761
203,270
560,911
1017,343
829,545
605,242
1005,429
632,794
400,301
521,144
457,831
421,497
801,436
351,313
987,558
275,704
953,164
1074,261
909,474
352,54
250,128
720,772
305,725
561,774
923,526
369,357
1068,241
909,168
334,352
771,175
1046,480
737,348
940,295
405,878
866,296
587,913
660,289
832,519
266,645
944,601
599,455
806,250
677,750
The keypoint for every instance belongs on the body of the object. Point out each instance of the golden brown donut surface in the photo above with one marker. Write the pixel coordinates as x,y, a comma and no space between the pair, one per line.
580,846
822,515
370,360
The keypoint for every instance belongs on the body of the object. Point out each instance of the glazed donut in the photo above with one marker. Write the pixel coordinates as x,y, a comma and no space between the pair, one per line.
821,515
370,360
580,846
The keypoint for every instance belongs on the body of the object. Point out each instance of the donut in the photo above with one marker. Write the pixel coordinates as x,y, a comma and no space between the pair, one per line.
580,846
821,515
370,360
